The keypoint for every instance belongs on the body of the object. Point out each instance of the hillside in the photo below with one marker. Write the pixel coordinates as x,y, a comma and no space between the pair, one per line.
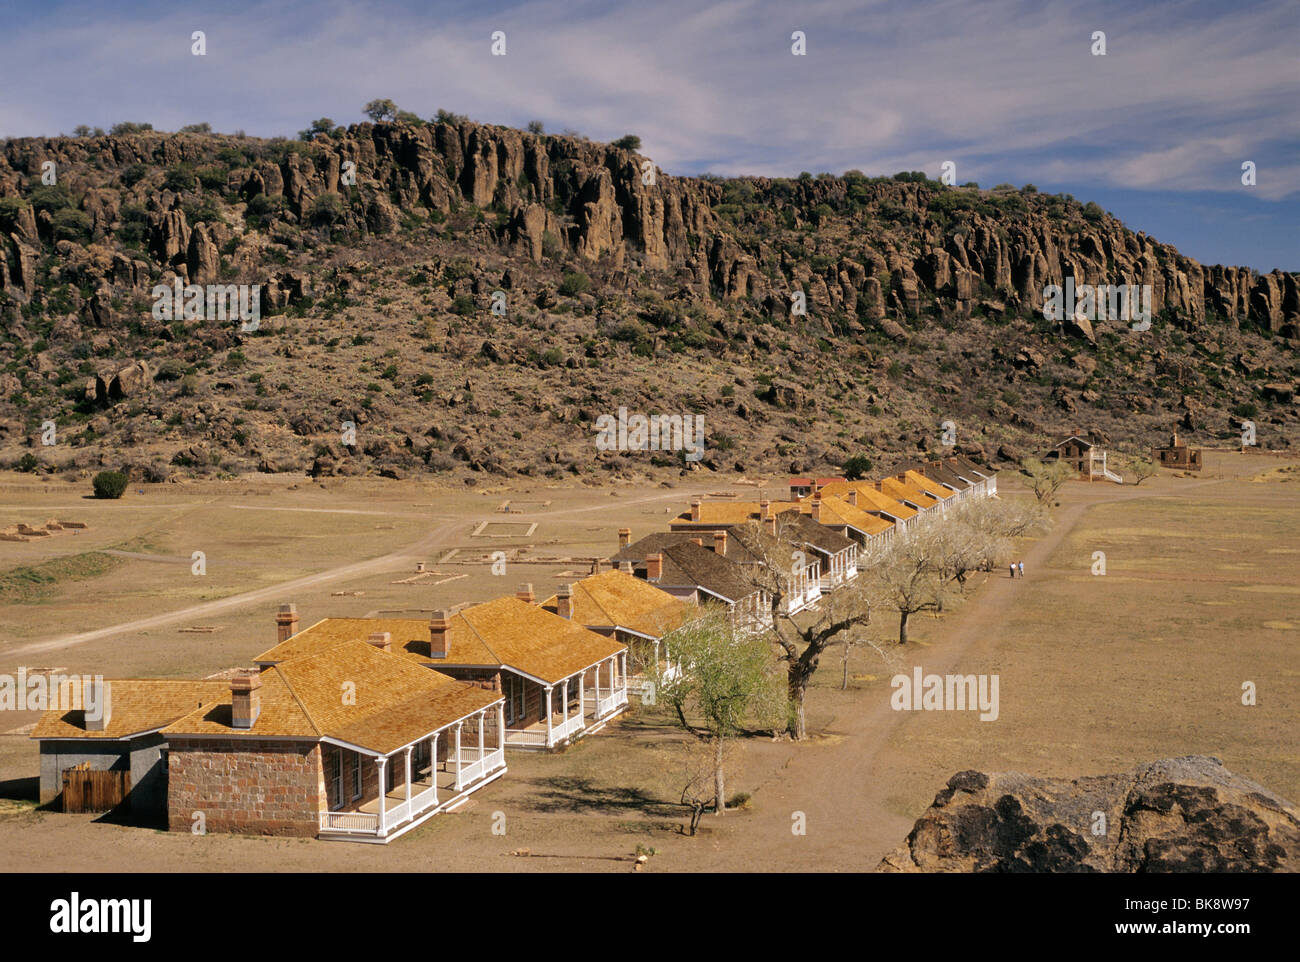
924,304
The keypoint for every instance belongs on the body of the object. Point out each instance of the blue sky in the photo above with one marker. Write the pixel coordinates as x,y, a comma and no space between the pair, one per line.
1155,131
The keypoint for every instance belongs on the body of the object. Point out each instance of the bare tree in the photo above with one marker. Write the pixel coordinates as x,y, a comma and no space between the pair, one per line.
802,638
726,680
909,577
1046,477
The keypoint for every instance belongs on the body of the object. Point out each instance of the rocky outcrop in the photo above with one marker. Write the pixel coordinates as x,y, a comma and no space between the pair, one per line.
1186,814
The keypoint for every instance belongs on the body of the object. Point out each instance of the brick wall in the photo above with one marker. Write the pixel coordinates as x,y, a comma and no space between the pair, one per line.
249,787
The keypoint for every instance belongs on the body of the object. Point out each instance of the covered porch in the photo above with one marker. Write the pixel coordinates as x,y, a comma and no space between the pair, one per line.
419,780
566,708
652,663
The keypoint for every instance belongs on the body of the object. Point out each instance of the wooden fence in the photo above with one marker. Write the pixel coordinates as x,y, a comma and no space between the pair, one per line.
85,790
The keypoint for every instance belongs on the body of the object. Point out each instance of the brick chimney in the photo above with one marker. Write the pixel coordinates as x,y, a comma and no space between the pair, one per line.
720,543
817,509
525,593
245,702
771,526
695,509
764,510
654,567
564,601
439,634
96,693
626,567
286,623
381,640
624,537
852,497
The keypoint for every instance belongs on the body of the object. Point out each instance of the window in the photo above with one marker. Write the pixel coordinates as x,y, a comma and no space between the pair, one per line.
163,762
336,777
356,776
515,693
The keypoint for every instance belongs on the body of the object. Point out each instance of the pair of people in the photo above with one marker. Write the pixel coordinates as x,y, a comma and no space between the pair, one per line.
1013,567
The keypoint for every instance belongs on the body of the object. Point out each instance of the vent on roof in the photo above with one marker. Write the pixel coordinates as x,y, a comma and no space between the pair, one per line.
564,601
525,593
382,640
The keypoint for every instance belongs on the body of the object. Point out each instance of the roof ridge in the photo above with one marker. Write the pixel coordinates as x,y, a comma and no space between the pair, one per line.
293,694
478,634
595,601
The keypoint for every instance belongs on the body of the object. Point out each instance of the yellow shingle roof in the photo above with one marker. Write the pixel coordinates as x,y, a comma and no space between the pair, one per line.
352,692
869,498
732,512
932,488
899,490
616,599
838,511
136,705
503,632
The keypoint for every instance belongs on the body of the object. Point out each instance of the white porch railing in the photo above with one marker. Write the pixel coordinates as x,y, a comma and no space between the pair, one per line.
606,706
360,823
492,760
566,728
525,738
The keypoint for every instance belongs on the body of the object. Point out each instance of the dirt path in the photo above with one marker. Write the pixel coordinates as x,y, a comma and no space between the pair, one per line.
439,537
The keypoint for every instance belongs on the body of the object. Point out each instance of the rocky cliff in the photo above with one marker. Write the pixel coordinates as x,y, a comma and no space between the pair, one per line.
402,233
1185,814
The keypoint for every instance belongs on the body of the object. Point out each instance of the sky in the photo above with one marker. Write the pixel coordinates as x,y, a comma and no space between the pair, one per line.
1155,131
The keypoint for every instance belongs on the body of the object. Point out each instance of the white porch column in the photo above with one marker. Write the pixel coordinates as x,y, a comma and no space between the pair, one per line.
459,725
598,688
549,734
582,696
564,701
408,779
656,667
501,727
482,732
622,667
381,764
433,766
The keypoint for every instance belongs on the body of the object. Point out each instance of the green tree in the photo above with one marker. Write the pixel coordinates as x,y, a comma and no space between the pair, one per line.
380,110
322,125
726,681
109,484
857,467
628,142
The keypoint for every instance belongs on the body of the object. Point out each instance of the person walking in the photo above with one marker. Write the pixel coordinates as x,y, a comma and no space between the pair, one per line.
1012,566
1022,569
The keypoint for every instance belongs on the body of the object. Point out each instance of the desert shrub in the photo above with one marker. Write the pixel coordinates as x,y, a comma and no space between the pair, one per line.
27,463
628,142
575,283
70,224
180,177
326,209
109,484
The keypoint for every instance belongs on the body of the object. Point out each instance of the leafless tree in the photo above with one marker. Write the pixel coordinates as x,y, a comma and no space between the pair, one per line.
1046,477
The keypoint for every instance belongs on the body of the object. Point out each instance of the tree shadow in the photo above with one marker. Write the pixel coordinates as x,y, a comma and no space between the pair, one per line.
565,793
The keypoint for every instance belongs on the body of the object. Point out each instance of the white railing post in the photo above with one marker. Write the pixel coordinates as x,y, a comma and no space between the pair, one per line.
458,762
433,765
550,736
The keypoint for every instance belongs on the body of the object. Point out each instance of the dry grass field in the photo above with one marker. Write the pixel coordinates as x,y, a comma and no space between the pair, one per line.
1097,672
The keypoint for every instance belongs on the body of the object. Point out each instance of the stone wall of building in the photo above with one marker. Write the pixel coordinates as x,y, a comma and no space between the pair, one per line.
254,787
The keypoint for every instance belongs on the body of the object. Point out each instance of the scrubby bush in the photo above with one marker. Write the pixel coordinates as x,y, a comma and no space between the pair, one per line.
575,283
857,467
109,484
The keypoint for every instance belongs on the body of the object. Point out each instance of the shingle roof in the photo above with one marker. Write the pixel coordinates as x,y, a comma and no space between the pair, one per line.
687,565
615,599
930,486
826,539
869,498
395,702
136,705
836,510
899,490
505,632
967,464
655,543
732,512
